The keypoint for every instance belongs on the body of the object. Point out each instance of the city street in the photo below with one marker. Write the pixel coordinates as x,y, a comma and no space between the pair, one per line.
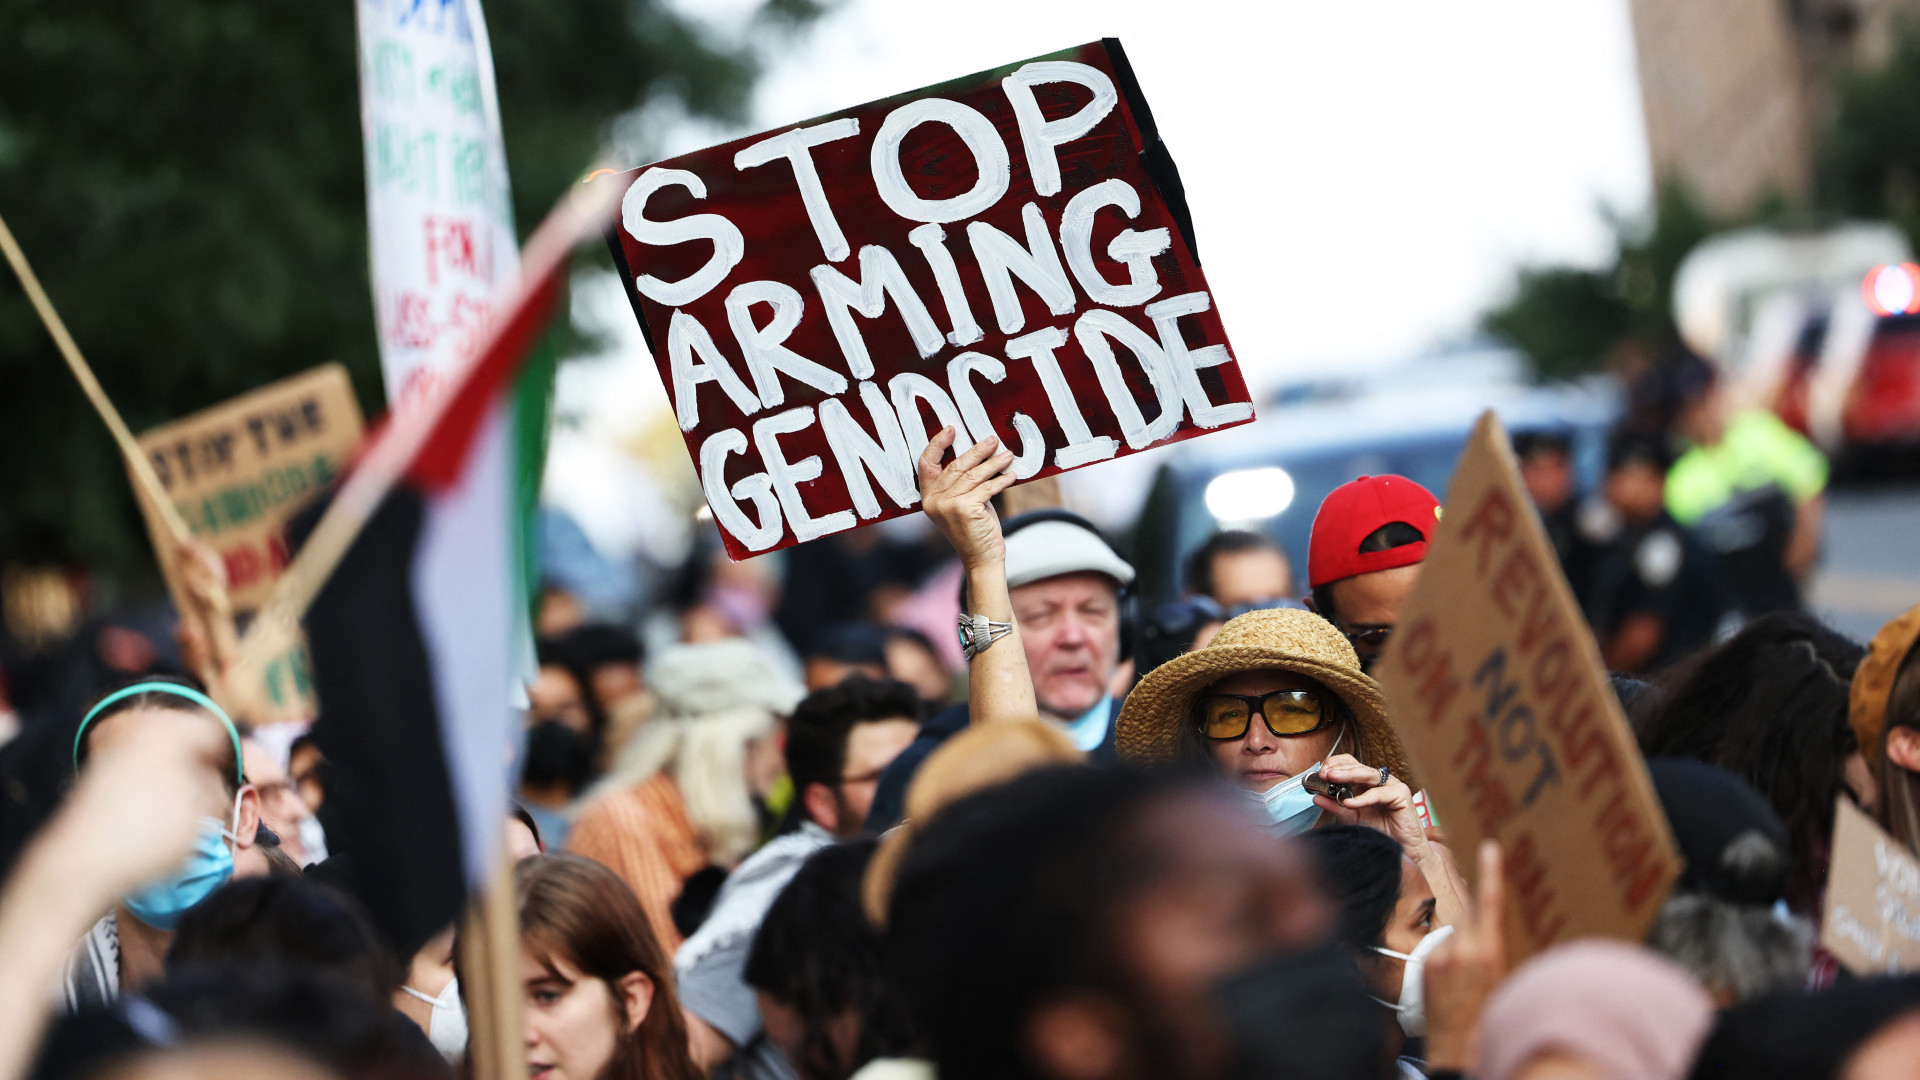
1867,573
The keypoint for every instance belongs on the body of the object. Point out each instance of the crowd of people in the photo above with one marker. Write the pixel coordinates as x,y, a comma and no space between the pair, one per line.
800,833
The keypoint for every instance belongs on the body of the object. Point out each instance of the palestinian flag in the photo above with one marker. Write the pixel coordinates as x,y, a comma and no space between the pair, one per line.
421,634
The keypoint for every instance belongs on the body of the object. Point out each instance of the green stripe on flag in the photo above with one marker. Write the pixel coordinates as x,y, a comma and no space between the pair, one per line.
531,416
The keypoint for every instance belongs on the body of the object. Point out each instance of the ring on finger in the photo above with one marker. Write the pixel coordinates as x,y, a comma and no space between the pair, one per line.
1385,775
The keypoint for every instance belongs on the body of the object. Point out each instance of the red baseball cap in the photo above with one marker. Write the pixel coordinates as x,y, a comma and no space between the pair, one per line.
1353,512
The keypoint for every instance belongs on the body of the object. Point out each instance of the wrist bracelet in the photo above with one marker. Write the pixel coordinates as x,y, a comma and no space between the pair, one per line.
978,633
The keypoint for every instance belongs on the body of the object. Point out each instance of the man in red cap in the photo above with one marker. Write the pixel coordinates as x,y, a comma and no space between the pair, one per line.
1369,539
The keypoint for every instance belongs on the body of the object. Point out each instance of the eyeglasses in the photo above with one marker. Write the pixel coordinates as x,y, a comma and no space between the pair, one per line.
869,777
1368,637
1285,712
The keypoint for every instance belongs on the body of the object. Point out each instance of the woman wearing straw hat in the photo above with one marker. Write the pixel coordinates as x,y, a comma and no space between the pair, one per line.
1272,700
1275,700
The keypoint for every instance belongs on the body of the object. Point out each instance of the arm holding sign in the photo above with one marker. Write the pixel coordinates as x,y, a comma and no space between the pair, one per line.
956,501
208,641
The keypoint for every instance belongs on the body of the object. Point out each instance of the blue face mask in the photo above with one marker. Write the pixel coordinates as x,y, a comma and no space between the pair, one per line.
1287,808
208,866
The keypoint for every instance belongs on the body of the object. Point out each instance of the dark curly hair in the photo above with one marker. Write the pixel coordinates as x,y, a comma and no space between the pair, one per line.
1770,706
817,954
817,731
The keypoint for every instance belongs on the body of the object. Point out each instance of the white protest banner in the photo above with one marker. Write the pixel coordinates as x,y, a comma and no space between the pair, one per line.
1498,693
438,209
1008,253
1872,920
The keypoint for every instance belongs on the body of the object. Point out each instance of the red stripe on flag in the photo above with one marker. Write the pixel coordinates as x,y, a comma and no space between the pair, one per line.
441,459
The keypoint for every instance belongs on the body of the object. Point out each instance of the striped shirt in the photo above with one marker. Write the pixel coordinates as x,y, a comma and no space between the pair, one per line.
91,978
643,835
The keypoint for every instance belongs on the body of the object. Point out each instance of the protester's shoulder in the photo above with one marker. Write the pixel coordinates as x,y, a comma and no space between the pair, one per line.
947,722
1790,458
1697,483
90,977
779,858
617,812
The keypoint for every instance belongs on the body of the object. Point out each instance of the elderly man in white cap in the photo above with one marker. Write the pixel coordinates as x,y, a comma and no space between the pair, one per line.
1068,586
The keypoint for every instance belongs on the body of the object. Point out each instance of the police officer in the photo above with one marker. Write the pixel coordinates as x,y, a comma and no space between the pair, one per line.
1546,470
1656,591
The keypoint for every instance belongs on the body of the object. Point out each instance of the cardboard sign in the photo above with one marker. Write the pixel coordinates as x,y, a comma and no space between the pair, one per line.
1009,253
238,471
1497,689
1872,922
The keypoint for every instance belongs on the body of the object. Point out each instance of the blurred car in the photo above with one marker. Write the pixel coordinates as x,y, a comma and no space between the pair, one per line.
1883,406
1870,419
1271,476
1821,326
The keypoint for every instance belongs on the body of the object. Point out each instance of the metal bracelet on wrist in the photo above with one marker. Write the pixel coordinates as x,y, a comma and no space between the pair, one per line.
978,633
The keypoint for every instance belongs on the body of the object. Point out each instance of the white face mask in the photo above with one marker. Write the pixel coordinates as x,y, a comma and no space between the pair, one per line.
447,1027
313,838
1412,1007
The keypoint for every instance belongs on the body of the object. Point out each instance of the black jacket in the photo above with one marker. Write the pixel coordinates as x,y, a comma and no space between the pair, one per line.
889,801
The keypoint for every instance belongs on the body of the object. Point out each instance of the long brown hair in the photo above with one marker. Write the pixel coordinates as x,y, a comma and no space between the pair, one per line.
580,911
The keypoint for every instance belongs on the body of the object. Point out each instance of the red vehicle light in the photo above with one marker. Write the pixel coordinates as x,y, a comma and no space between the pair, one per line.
1892,290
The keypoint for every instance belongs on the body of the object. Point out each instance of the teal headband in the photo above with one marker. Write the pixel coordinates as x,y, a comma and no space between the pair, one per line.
186,692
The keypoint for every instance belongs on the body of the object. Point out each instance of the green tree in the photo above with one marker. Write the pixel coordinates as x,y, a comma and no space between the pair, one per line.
186,176
1567,320
1868,164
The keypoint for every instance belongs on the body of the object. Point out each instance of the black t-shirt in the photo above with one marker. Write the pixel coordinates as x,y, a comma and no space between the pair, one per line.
1748,534
1575,550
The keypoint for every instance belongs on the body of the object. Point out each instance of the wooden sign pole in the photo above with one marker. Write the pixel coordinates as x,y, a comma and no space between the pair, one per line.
492,980
136,461
207,605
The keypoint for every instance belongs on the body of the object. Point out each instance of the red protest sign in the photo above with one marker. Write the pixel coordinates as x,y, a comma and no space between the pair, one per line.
1009,253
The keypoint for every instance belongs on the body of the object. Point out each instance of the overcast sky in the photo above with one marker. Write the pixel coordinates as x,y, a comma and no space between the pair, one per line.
1364,177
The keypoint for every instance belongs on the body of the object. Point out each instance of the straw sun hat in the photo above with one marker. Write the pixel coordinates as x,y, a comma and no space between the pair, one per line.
1278,639
1873,682
979,757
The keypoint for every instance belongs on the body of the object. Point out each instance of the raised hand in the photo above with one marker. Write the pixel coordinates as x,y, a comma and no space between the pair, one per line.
956,498
142,797
131,817
999,686
1464,970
